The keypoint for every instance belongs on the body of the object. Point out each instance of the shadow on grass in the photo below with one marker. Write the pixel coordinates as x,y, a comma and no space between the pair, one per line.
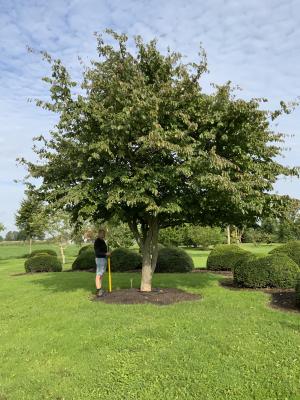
23,256
60,282
295,327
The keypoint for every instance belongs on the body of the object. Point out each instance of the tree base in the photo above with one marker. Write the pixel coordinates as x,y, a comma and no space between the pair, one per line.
156,296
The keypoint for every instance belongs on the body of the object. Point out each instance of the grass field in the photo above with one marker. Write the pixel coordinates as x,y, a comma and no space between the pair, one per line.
57,344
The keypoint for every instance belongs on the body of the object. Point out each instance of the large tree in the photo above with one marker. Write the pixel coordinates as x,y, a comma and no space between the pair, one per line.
141,141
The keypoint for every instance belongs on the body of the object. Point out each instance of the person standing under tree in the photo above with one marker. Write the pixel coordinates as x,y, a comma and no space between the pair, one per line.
101,255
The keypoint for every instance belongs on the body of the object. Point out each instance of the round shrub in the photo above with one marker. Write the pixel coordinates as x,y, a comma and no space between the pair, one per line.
275,270
125,260
85,260
297,289
292,249
225,257
85,248
43,263
43,251
173,259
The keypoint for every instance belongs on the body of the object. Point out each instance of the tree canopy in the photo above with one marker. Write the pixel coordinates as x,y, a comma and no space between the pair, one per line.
139,139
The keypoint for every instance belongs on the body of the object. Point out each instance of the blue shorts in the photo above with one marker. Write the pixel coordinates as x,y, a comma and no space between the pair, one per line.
101,264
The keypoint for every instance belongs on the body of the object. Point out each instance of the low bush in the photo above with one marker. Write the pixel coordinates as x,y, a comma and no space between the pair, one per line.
275,270
43,251
291,249
225,257
173,259
85,260
125,260
43,263
85,248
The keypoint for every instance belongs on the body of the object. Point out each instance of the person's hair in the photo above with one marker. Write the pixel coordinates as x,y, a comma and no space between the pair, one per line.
101,230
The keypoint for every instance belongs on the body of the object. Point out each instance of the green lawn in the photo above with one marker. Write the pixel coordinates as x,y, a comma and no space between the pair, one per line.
20,250
57,344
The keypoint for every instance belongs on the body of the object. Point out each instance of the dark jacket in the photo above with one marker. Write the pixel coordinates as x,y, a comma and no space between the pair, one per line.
100,248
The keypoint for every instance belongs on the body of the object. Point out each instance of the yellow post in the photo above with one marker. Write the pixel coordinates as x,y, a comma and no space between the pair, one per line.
109,274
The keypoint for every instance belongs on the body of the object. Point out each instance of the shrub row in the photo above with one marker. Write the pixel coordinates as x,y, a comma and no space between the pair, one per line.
278,269
291,249
170,259
225,257
42,251
274,270
43,262
173,259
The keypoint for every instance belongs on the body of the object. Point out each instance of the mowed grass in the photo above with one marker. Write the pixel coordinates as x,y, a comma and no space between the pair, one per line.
20,250
57,344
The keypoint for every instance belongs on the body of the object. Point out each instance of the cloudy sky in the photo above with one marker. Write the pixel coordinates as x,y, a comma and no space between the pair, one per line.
255,44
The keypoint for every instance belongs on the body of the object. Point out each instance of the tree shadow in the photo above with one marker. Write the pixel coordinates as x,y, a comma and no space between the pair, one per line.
61,282
72,281
295,327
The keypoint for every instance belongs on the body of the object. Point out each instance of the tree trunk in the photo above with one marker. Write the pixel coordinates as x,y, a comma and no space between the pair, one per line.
147,239
30,245
62,253
240,233
228,234
150,253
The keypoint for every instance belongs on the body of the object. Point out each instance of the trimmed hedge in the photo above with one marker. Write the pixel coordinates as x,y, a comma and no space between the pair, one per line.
85,248
291,249
43,251
275,270
85,260
297,289
43,263
125,260
173,259
225,257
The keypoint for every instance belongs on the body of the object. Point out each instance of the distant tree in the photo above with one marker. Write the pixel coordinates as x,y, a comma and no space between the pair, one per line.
59,228
22,236
192,236
203,236
31,218
288,227
119,234
272,229
11,236
2,227
141,141
172,236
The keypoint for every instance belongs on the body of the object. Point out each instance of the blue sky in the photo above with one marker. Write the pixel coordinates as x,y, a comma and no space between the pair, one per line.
255,44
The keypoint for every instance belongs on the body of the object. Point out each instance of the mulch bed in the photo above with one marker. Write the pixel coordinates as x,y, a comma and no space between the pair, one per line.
157,296
283,299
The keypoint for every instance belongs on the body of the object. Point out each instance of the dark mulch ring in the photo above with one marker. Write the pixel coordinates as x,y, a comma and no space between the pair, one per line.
157,296
284,299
